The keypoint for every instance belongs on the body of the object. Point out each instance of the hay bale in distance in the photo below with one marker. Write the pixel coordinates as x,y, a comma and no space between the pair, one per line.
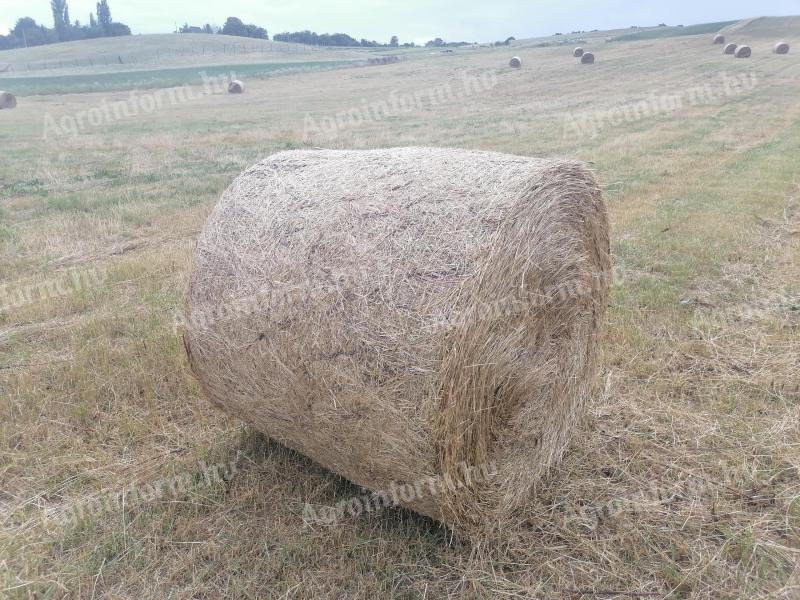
781,48
395,314
587,58
719,39
743,52
577,53
730,49
236,87
7,100
515,63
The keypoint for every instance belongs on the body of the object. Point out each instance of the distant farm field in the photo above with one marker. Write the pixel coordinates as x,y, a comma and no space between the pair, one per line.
119,480
667,32
155,79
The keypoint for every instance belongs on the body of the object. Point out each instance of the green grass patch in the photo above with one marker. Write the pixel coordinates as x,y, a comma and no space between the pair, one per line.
668,32
155,79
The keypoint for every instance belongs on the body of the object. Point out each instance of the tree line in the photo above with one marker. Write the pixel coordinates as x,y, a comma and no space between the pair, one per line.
27,32
235,26
313,38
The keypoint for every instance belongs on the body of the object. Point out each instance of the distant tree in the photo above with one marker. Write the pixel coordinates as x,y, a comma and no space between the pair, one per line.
57,6
254,31
104,16
338,39
92,21
234,26
509,40
435,43
27,32
326,39
207,28
119,30
394,42
67,22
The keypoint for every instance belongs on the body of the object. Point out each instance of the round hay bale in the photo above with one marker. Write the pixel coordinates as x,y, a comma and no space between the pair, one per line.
719,39
730,49
781,48
587,58
7,100
577,53
743,52
515,63
400,315
236,87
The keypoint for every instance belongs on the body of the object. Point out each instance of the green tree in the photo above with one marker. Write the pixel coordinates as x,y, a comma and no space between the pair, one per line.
58,6
234,26
104,16
92,21
395,42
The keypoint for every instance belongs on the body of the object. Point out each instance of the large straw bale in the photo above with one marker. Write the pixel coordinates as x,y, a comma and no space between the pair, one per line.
781,48
7,100
399,314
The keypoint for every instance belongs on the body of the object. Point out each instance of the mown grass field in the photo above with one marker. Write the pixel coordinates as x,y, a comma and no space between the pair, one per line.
698,398
159,78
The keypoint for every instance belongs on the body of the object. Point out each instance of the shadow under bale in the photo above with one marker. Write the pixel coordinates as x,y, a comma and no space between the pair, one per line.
420,318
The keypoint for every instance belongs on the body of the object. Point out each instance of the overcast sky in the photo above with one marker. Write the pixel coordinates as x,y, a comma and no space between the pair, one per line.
411,20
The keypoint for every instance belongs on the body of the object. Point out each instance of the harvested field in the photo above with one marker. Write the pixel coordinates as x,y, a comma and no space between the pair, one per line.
120,479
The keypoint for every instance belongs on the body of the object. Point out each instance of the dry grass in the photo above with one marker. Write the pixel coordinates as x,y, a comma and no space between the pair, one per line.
700,373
